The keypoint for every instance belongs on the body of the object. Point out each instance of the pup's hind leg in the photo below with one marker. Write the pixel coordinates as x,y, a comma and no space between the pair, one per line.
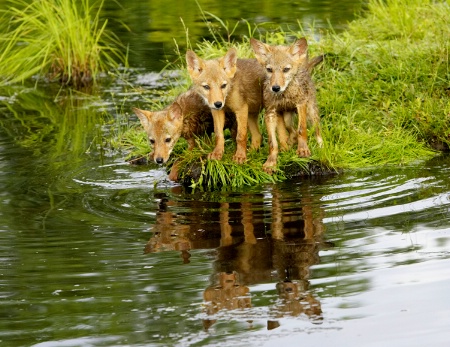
289,122
313,115
283,134
254,130
302,137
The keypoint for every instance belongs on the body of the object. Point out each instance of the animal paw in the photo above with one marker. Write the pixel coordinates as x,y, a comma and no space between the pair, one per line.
255,144
239,159
173,175
269,167
215,155
284,146
303,152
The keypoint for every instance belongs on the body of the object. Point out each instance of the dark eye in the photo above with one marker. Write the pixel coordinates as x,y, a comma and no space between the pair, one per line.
223,86
286,69
206,87
168,140
269,69
152,141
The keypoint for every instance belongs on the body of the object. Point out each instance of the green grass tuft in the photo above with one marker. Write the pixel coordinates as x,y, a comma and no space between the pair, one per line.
60,40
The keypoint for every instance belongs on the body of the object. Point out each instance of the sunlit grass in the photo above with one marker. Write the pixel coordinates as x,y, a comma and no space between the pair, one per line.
59,40
383,93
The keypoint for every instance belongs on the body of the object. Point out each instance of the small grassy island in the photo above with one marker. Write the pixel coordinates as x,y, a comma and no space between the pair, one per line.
383,94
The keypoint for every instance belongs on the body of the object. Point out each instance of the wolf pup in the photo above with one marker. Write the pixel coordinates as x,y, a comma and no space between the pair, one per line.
186,117
230,84
288,88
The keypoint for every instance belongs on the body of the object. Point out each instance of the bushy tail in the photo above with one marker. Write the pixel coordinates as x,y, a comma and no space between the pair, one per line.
312,63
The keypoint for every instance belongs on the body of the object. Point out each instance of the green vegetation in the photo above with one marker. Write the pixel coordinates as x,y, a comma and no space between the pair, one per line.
383,91
59,40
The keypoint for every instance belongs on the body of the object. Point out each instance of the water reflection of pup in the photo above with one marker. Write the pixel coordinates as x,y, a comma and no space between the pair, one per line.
182,231
296,236
295,250
292,260
168,235
241,260
225,294
259,239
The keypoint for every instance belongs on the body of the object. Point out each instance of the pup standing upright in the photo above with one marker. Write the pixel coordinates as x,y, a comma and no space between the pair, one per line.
288,88
232,85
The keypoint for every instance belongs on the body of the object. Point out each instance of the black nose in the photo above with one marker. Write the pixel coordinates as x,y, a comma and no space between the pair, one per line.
159,160
218,104
276,88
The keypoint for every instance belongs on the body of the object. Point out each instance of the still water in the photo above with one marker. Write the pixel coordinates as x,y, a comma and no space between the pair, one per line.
95,252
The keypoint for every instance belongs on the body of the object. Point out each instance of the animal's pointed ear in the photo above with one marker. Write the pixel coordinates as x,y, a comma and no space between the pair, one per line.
228,62
144,116
299,49
175,112
260,49
195,64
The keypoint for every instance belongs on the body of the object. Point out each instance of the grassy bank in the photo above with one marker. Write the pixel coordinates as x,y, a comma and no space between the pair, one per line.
383,93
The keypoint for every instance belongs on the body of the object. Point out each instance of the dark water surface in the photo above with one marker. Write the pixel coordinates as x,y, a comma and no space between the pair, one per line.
94,252
156,29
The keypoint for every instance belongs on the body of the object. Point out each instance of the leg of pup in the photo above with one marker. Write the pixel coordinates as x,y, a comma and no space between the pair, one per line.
302,149
219,122
254,131
271,125
173,175
313,115
241,138
283,135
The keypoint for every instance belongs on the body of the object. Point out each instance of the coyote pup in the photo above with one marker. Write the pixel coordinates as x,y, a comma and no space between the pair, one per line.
186,117
230,84
288,88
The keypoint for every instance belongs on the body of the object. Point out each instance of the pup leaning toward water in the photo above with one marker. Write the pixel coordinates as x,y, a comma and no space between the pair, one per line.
230,84
288,88
188,117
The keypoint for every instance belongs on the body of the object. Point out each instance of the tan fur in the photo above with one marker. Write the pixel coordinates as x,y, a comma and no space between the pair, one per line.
186,117
288,89
230,84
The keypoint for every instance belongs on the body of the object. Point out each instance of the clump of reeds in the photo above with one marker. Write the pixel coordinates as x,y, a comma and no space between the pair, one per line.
58,40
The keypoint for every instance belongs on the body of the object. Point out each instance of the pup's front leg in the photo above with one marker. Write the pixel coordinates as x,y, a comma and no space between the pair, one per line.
173,175
271,126
219,122
241,138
